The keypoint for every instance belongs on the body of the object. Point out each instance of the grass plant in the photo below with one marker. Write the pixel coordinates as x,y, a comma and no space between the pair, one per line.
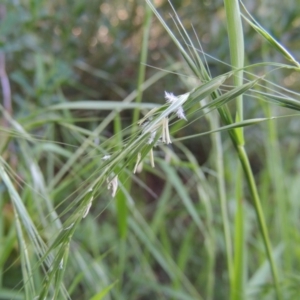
180,183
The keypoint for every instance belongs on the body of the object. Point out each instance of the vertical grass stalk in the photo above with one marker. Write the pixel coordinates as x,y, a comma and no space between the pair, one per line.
236,44
276,174
260,215
143,61
237,291
219,164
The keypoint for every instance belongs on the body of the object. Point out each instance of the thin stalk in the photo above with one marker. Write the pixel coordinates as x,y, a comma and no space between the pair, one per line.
259,214
143,61
236,44
276,175
121,266
120,198
219,162
239,240
211,267
122,213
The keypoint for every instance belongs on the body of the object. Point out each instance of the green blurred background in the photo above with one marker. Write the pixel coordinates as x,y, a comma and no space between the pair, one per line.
61,51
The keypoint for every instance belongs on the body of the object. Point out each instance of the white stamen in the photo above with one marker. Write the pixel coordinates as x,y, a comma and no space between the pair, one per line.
140,167
170,97
180,113
113,185
152,158
139,156
165,131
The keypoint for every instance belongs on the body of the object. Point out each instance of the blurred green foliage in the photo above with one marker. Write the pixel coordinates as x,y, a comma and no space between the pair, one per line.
63,51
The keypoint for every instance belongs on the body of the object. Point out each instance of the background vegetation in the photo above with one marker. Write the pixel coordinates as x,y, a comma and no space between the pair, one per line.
76,76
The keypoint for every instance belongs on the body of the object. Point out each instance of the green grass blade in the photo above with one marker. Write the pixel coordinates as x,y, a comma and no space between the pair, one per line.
236,46
275,44
238,289
260,217
101,105
281,101
29,286
186,56
182,193
143,61
226,128
104,292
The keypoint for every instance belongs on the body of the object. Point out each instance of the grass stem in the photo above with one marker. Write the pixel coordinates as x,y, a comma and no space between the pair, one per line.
260,215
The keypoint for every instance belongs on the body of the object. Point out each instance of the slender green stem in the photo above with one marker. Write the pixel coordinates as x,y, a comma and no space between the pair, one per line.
121,266
259,214
236,44
237,291
217,143
276,173
143,60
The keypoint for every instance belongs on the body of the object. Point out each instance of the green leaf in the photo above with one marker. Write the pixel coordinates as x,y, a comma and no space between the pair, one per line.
259,29
102,105
104,292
